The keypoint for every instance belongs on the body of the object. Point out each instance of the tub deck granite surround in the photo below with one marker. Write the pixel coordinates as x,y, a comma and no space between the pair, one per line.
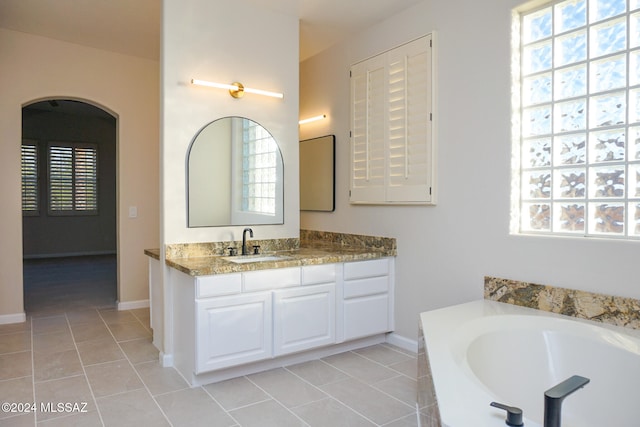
612,310
313,247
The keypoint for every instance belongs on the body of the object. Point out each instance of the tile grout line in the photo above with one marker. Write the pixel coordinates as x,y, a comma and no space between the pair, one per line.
84,371
133,366
33,372
276,400
237,423
349,376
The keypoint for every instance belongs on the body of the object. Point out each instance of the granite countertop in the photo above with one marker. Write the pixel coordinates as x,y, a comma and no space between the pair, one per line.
314,249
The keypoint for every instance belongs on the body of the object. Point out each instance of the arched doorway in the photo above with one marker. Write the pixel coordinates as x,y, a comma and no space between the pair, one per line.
69,206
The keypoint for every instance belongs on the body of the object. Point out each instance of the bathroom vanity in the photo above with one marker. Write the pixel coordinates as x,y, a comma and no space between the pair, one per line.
230,316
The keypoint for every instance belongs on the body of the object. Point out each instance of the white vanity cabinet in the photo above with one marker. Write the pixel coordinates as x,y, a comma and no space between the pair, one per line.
305,317
367,298
233,330
227,325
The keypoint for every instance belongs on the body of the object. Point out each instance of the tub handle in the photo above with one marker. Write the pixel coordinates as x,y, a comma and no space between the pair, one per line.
514,415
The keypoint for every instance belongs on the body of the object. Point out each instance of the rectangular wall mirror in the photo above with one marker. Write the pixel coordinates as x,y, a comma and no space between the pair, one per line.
317,174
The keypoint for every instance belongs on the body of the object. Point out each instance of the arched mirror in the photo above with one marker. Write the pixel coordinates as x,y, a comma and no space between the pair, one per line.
235,175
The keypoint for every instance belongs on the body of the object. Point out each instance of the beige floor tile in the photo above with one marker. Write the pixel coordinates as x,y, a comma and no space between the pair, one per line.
110,378
383,354
140,350
126,331
266,414
317,372
400,387
81,419
408,421
14,342
160,380
99,351
286,388
330,413
408,368
90,330
193,407
24,420
47,325
365,399
15,365
132,409
10,328
113,316
83,316
143,315
17,390
53,342
74,390
236,392
359,367
50,366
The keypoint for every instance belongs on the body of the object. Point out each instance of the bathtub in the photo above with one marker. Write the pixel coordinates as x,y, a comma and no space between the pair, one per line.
486,351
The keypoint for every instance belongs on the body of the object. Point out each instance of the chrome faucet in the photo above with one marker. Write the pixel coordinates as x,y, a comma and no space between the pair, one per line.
244,240
554,396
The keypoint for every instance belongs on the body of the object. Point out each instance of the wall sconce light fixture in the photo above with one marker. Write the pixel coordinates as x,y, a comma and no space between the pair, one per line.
312,119
237,90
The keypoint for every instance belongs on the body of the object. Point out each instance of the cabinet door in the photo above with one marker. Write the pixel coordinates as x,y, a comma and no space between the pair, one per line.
233,330
366,316
304,318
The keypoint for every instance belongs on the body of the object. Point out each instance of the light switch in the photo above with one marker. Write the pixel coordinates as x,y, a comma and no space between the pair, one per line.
133,211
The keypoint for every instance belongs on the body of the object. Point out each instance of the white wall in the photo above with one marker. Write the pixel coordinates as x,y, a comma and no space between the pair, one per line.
35,68
226,41
444,251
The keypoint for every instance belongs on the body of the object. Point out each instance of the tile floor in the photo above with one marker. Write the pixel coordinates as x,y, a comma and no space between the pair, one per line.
99,363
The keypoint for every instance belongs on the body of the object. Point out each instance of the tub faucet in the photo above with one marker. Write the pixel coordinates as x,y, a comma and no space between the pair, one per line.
554,396
244,240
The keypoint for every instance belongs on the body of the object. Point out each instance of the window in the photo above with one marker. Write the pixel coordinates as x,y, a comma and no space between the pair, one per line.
579,109
30,205
392,142
73,179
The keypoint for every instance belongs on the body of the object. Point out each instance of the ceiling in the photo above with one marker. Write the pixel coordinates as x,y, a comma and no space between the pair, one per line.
132,27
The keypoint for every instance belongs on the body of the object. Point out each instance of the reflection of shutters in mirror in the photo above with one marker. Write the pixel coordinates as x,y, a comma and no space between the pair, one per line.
29,179
73,178
391,127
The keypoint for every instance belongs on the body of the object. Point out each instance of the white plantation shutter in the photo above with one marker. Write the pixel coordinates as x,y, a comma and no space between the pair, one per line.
392,146
367,140
86,179
73,178
29,178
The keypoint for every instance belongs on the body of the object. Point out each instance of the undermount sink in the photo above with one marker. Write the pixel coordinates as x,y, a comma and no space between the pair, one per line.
241,259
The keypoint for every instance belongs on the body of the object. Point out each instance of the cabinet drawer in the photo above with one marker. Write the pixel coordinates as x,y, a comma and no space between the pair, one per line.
223,284
314,274
369,286
277,278
371,268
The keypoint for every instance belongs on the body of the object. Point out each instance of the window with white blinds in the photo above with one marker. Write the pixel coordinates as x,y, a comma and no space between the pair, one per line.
30,205
73,178
391,126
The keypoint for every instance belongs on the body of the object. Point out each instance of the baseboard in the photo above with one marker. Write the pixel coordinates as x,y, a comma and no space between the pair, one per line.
402,342
131,305
13,318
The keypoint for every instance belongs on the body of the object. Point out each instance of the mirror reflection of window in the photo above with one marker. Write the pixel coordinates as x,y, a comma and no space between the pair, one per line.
259,152
235,175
